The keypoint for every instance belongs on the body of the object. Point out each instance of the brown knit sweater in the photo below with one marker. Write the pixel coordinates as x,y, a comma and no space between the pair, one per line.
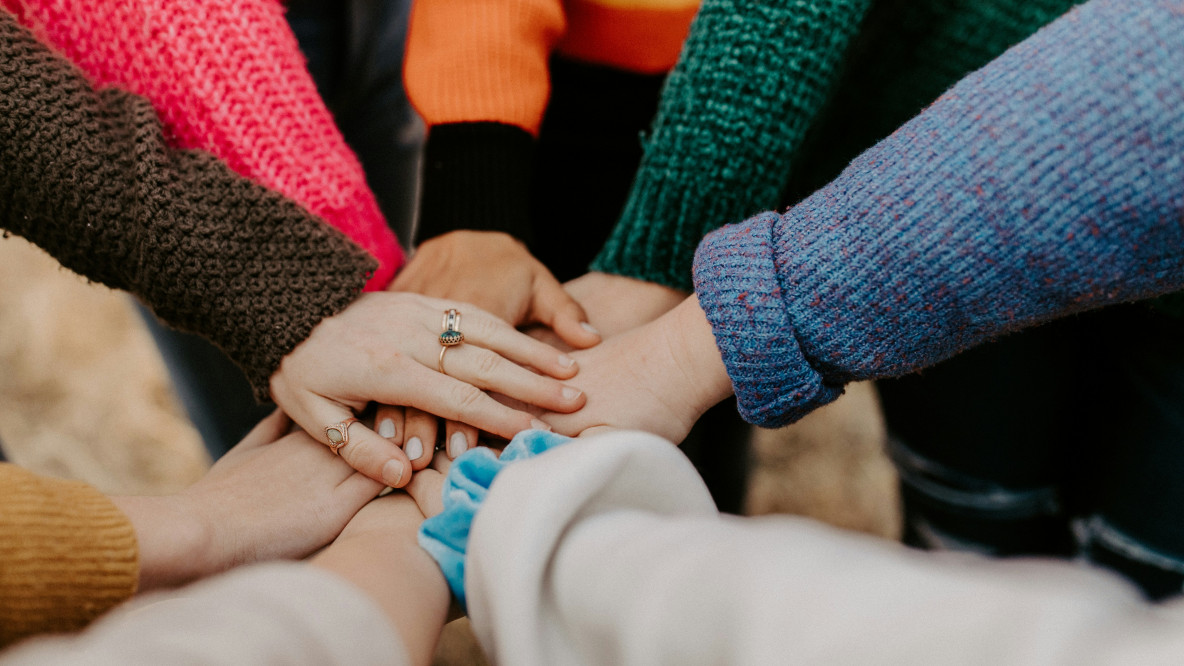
67,554
87,176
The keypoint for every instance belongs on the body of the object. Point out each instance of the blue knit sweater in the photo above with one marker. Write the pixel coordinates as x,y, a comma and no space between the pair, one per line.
1047,183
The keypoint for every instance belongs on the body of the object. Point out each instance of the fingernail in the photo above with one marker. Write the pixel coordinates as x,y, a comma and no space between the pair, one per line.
392,473
539,425
386,428
589,327
570,393
566,361
413,448
457,444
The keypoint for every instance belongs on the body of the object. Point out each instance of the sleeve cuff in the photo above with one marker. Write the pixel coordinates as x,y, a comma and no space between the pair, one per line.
737,283
477,176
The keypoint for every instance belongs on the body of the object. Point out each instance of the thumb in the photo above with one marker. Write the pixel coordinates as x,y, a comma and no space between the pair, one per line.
553,307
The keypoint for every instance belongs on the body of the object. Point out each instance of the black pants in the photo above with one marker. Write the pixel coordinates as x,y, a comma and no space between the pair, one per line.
1067,440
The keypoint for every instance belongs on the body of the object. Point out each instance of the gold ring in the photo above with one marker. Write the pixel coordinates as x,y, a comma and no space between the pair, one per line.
338,434
440,363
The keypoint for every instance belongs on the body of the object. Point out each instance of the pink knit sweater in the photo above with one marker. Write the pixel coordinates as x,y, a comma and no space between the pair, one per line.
226,76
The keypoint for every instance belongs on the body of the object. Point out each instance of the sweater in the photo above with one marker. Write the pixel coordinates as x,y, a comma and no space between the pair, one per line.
776,96
226,76
1045,184
479,74
88,177
67,554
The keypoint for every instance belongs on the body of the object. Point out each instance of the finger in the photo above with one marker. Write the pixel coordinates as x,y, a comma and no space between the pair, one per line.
420,428
555,308
459,437
271,428
485,330
365,451
388,423
425,489
460,401
487,370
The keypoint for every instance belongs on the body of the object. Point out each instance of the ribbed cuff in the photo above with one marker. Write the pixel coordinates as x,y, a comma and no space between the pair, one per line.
737,284
69,556
477,176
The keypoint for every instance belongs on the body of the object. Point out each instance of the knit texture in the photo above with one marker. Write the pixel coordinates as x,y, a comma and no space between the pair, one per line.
88,177
771,94
67,554
226,76
1044,184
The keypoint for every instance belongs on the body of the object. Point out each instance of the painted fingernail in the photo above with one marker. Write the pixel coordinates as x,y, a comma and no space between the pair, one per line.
392,473
539,425
566,361
589,327
386,428
413,448
570,393
457,444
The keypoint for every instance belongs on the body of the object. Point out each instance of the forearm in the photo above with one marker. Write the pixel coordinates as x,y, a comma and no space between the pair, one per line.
1038,187
767,68
390,567
227,77
88,177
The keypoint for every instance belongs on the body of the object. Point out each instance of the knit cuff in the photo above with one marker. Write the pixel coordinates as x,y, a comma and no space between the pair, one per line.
736,281
477,176
67,555
668,213
445,536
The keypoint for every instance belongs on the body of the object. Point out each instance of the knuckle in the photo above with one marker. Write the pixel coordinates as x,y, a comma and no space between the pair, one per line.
488,365
467,398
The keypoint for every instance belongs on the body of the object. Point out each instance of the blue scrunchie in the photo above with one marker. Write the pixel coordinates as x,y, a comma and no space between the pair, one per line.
446,535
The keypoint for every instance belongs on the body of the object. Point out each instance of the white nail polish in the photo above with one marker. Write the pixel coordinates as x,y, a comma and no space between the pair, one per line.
386,428
392,473
570,393
589,327
539,425
566,361
457,444
413,448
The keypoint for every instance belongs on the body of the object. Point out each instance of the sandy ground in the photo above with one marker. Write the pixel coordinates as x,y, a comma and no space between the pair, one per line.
83,394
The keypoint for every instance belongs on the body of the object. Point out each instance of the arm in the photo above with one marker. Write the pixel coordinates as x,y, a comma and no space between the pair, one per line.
70,553
226,76
571,553
750,82
1042,185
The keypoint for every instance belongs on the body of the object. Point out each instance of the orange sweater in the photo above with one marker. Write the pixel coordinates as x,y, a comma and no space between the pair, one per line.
67,554
486,60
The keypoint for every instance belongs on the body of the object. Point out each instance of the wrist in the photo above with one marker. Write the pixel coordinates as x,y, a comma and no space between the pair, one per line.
174,540
692,343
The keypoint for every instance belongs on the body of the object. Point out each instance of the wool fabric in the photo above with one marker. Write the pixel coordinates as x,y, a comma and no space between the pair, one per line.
228,77
769,95
67,554
89,178
1045,184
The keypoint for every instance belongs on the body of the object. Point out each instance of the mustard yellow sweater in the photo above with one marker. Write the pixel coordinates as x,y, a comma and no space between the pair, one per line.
67,554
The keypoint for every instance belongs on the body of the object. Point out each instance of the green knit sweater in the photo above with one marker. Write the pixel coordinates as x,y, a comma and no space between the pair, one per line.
771,99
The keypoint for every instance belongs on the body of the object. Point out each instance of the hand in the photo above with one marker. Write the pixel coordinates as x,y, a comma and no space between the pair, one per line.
616,303
385,348
270,497
660,377
495,272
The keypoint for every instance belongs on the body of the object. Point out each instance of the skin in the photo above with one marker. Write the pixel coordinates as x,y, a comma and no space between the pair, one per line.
384,348
659,377
243,510
497,273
